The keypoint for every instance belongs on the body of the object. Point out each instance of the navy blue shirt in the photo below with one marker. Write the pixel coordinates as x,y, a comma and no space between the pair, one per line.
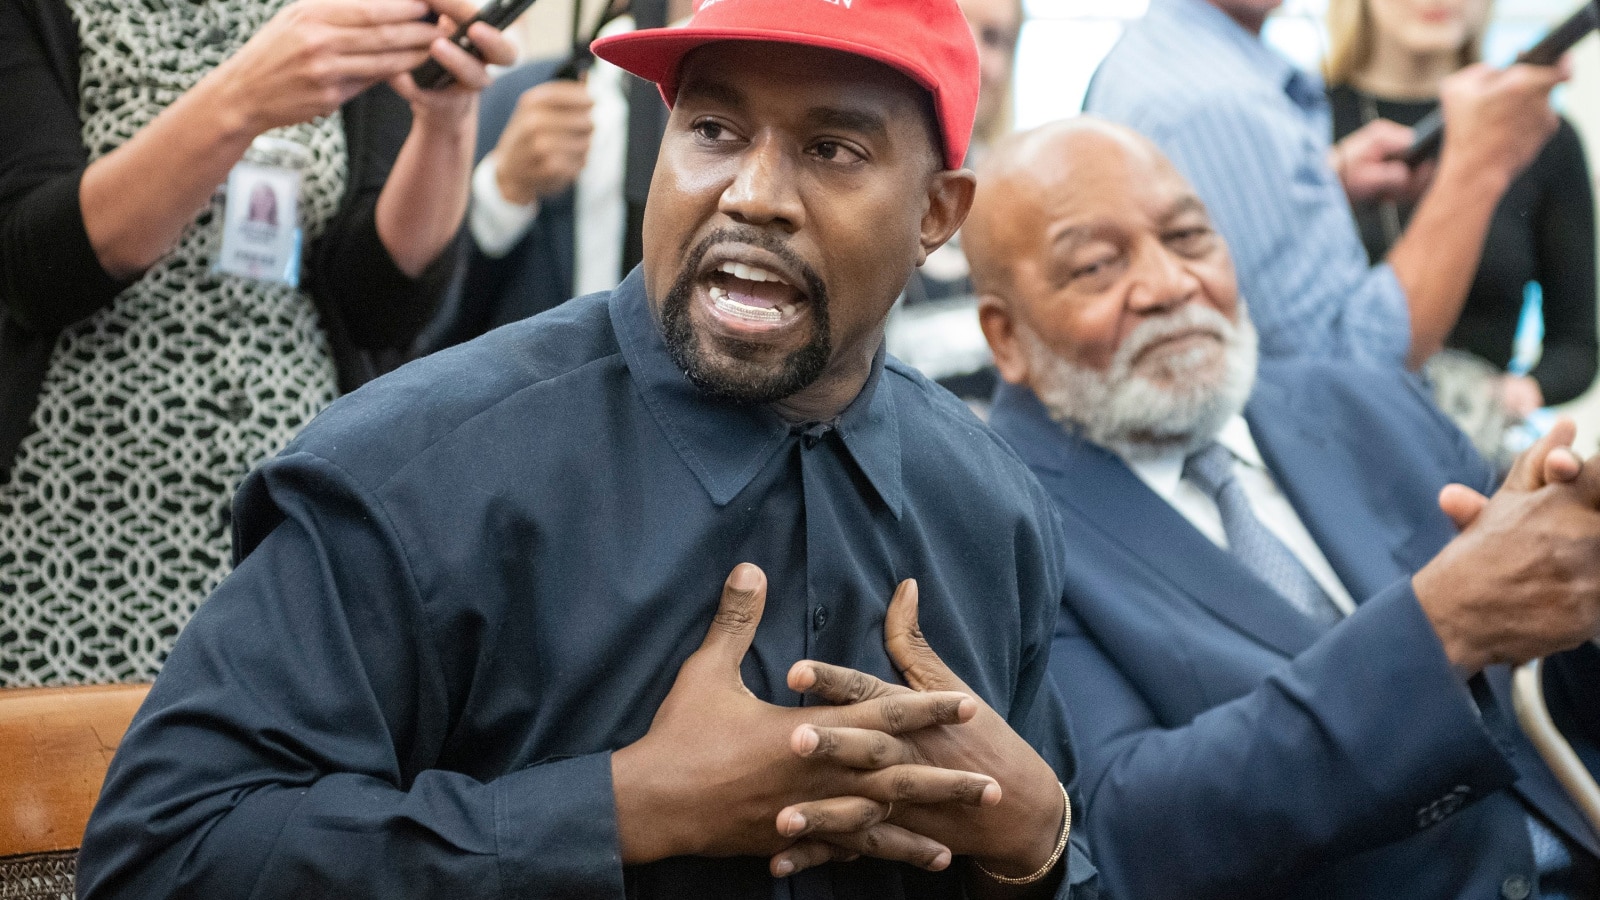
467,583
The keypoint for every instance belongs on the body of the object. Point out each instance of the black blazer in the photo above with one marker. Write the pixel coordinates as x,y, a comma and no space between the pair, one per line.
50,277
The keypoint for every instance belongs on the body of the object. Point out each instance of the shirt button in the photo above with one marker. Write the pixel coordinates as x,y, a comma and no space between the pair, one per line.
819,618
1515,888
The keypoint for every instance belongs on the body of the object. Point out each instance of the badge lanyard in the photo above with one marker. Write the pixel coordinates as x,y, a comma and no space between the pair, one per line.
261,232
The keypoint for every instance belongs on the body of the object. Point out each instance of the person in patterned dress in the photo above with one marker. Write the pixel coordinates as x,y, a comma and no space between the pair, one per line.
138,380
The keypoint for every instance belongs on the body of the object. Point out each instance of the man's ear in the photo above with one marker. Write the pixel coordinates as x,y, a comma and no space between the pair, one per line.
1000,325
949,199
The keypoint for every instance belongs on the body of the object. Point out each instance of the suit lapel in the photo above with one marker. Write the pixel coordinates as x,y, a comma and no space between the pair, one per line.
1094,485
1340,501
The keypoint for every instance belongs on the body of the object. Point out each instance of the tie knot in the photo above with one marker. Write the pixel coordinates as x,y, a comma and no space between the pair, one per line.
1210,467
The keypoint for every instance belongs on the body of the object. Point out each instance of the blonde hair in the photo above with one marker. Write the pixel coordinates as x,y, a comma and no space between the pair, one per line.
1351,35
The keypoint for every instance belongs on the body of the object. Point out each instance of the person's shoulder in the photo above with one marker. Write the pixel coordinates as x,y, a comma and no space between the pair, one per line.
1563,157
1324,377
1159,69
1367,399
378,428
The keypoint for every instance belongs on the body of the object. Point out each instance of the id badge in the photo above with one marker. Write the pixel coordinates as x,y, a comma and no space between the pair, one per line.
261,222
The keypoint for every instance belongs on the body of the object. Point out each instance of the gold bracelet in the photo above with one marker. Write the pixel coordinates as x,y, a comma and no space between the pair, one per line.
1055,857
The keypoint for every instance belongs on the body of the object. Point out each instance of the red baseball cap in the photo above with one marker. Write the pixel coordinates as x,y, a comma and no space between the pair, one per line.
927,40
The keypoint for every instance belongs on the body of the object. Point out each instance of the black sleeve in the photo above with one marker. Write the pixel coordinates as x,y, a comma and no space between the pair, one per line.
1564,230
49,274
376,307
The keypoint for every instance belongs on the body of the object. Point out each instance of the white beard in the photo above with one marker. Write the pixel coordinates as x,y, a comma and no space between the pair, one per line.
1130,414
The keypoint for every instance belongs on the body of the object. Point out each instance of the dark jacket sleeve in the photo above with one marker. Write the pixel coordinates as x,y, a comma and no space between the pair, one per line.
1564,234
289,749
1210,793
372,310
49,274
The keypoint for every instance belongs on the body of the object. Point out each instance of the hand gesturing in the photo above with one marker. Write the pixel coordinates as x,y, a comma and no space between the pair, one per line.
1014,827
715,768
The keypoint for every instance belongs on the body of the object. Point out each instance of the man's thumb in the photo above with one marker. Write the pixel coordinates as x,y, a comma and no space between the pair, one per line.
922,668
744,596
1462,504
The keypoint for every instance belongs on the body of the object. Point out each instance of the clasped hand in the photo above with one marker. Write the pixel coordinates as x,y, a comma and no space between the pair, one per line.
1523,578
911,774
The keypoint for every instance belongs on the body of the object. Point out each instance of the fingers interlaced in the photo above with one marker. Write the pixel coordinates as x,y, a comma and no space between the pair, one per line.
1528,471
883,841
838,685
858,748
835,815
903,712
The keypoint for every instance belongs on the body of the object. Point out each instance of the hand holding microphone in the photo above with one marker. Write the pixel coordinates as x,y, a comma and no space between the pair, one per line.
1429,133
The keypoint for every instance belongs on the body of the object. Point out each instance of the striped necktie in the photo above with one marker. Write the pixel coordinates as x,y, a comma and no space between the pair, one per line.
1252,543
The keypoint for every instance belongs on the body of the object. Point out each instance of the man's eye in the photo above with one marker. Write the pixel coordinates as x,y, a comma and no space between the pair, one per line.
711,131
833,151
1190,240
1094,268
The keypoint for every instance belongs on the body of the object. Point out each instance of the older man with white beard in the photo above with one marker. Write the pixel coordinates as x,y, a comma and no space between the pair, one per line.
1285,669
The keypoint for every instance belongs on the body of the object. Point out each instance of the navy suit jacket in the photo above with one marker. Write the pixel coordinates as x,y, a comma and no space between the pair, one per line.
1231,748
536,274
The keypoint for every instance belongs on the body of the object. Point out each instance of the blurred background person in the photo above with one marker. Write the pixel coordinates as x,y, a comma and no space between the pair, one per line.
1386,60
151,351
1251,131
935,327
558,191
1267,584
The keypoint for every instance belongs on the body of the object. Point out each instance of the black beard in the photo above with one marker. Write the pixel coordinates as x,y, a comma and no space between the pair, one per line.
739,381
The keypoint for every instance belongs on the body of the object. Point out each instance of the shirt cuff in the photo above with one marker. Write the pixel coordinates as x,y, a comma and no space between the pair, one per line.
556,830
497,224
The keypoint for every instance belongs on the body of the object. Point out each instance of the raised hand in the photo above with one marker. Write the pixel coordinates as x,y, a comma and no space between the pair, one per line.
1549,461
1523,580
1012,835
471,74
314,55
711,775
1499,119
544,146
1363,164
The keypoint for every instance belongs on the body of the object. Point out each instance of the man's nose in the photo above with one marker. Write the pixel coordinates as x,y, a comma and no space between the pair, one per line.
1162,280
764,191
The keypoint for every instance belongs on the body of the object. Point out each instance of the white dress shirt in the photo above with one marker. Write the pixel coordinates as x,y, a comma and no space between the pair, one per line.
1164,475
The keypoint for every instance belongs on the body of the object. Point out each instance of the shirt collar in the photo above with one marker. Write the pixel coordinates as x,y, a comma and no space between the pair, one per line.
1303,88
726,444
1162,473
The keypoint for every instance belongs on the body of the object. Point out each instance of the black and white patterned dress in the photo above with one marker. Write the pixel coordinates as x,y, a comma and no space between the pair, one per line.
114,524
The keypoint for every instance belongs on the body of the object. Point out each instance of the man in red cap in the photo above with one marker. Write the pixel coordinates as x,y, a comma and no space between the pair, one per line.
474,645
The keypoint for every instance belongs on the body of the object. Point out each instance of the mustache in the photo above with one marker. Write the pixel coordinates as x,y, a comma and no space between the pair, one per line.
1191,318
816,290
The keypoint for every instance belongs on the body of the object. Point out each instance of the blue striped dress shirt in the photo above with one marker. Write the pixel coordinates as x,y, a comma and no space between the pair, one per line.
1251,132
